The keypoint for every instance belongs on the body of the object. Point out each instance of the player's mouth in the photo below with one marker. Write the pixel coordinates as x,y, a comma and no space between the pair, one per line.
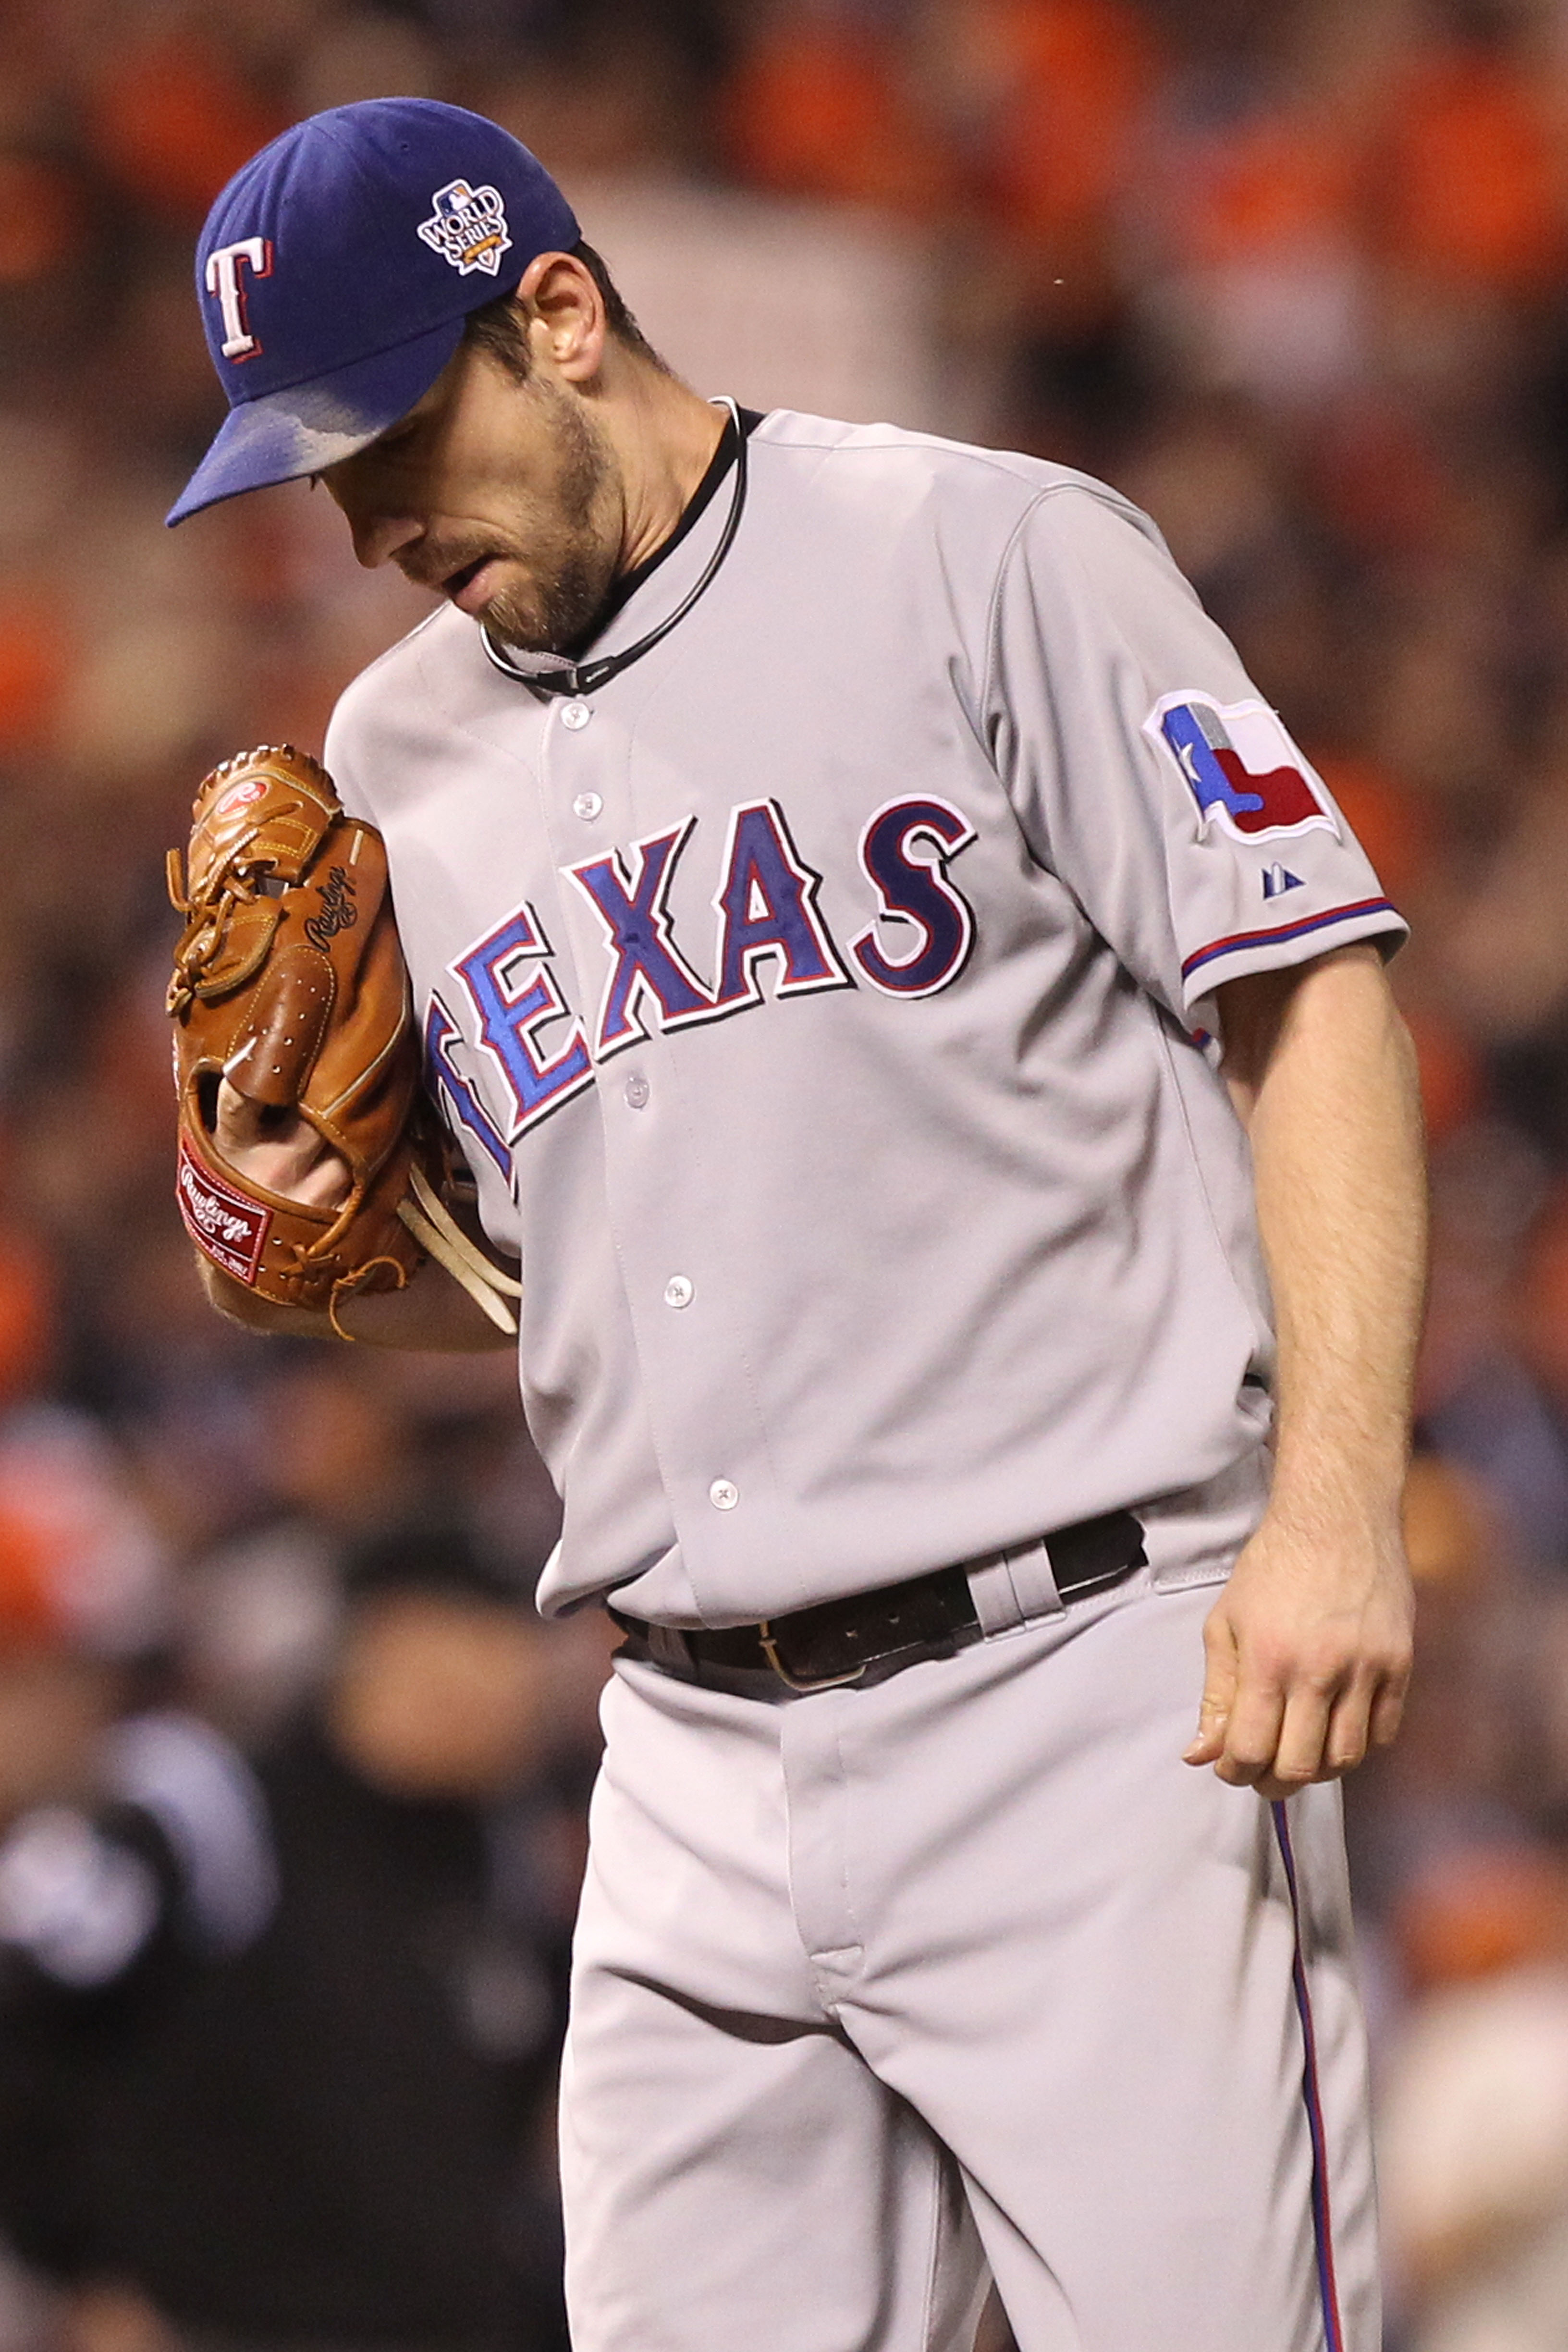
468,587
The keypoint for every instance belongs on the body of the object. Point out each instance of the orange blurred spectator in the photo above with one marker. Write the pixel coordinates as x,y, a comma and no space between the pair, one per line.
81,1559
1474,2142
1273,184
81,1596
1390,823
1255,212
1073,75
1450,1534
42,218
29,1618
1378,478
1541,1302
818,107
26,1313
1479,1912
1469,189
173,121
33,653
1453,1087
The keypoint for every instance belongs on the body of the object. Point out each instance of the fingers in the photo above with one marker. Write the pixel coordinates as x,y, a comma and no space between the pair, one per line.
1324,1734
280,1150
325,1184
1253,1733
1308,1648
238,1120
1388,1710
1351,1726
1219,1689
1277,1740
1281,1747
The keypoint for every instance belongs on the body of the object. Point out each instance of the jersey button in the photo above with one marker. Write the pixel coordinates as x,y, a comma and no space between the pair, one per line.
587,807
723,1494
636,1091
679,1291
575,715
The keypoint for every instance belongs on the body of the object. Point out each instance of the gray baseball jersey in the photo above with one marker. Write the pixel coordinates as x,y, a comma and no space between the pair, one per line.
822,1004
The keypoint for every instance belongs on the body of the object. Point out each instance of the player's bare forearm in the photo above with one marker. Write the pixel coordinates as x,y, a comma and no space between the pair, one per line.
1308,1644
432,1312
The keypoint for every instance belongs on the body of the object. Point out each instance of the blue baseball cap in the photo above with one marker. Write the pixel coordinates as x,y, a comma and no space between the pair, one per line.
336,269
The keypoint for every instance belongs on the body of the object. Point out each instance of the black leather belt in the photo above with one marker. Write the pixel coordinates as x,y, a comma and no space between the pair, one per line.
927,1617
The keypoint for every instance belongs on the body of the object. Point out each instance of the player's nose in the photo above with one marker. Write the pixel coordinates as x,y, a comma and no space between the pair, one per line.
377,537
370,509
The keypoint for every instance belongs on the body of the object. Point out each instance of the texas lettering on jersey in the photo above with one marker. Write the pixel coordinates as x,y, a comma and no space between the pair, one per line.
506,996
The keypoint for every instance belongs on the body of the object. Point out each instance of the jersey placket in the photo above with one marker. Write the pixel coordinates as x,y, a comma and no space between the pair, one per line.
706,1429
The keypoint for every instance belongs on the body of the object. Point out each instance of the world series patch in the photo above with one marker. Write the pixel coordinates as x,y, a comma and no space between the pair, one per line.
1241,767
467,227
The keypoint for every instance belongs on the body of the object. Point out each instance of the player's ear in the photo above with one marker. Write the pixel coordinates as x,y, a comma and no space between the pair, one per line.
566,312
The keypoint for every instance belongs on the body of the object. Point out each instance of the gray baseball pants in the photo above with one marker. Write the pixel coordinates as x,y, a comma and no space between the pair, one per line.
877,1990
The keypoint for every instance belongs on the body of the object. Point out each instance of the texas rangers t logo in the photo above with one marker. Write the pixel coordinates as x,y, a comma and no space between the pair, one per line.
223,279
1241,767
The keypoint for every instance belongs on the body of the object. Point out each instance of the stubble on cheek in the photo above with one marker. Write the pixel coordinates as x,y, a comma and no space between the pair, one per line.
569,553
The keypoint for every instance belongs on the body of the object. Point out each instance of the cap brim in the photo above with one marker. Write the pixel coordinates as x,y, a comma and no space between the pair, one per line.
286,434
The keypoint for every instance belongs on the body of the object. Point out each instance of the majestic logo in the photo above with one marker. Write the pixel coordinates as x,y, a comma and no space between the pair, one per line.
1278,879
1242,767
230,1229
468,227
223,279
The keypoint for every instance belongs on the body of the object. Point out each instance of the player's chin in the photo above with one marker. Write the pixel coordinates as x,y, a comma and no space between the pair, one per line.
515,619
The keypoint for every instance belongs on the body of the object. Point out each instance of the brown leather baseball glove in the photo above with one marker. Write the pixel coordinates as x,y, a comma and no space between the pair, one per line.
290,983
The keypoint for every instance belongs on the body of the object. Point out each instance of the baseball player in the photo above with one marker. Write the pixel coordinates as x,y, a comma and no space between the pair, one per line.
919,1021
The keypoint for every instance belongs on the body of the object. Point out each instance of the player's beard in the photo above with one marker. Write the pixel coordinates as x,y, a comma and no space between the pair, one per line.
571,550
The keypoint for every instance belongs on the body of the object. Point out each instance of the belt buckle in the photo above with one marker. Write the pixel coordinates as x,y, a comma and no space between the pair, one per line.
793,1682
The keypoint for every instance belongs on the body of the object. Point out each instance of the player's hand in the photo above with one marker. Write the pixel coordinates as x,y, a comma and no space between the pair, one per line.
1307,1651
279,1149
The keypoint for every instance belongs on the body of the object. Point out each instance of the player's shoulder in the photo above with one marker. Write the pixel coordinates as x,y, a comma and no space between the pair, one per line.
992,490
402,670
381,715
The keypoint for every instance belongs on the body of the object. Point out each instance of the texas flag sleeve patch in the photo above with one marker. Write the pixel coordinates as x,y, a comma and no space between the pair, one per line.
1246,775
1261,869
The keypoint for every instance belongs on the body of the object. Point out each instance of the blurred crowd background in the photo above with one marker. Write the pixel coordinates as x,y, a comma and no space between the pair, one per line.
292,1782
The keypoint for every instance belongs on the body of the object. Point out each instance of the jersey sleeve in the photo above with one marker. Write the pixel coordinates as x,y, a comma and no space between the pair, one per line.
341,759
1149,775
